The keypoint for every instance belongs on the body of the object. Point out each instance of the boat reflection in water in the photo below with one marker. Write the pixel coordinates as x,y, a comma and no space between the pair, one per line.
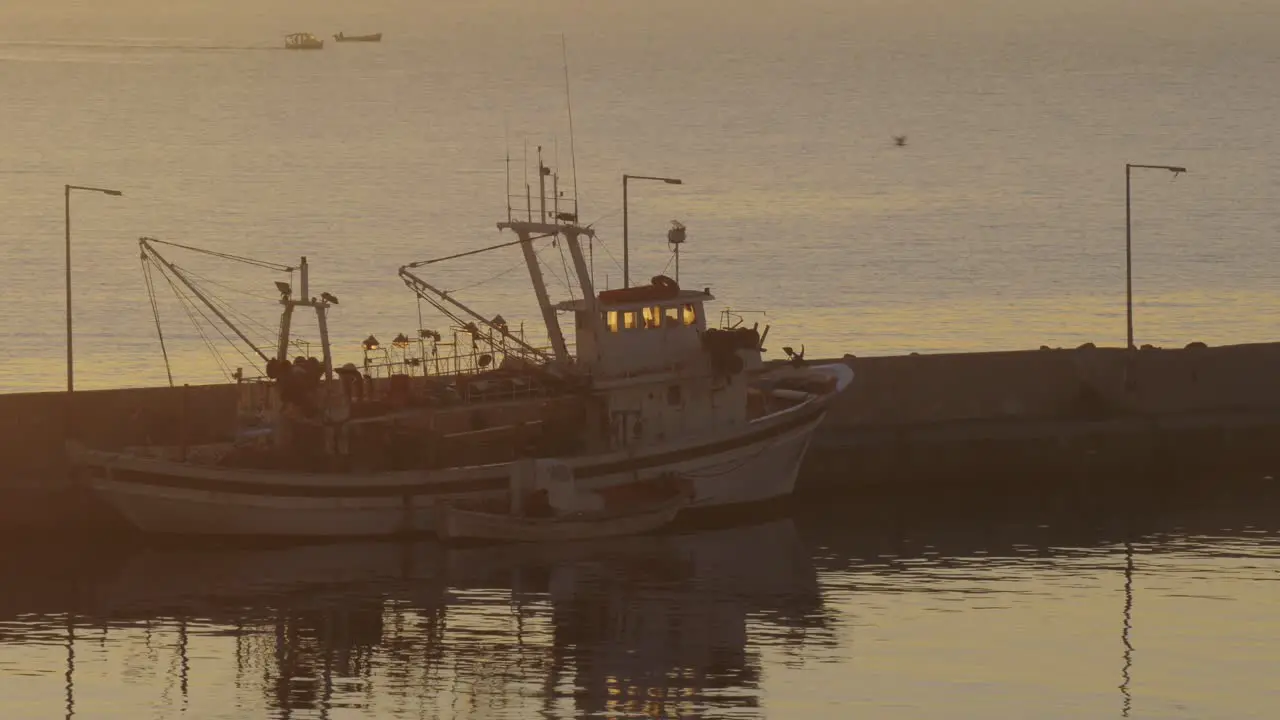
665,625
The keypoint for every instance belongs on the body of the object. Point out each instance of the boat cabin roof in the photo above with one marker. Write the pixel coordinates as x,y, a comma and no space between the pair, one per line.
681,297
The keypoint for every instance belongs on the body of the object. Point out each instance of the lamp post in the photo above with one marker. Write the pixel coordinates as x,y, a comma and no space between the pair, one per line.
1128,237
71,386
626,255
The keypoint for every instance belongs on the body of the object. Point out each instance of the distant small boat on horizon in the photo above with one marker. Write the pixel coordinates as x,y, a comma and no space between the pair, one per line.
302,41
375,37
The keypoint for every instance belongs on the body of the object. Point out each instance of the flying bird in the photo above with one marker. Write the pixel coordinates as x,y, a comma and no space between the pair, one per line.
899,140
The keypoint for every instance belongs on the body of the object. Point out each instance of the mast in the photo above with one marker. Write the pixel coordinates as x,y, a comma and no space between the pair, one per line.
321,307
543,171
571,233
286,320
554,333
526,231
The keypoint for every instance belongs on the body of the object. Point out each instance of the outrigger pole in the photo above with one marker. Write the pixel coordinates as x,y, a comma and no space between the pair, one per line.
149,251
429,292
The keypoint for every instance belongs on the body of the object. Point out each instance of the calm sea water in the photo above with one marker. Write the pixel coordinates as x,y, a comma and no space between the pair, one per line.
1077,605
999,225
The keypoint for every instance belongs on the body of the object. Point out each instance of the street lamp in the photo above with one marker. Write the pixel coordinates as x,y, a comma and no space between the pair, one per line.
626,255
67,203
1128,237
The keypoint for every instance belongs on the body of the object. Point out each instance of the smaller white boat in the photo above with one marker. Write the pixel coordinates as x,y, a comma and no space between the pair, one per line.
545,506
372,37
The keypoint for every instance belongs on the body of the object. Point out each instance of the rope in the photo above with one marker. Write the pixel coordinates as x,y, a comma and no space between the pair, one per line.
226,368
488,279
227,256
251,361
267,336
552,272
468,253
262,332
611,257
267,339
185,302
565,263
568,103
664,267
155,311
224,286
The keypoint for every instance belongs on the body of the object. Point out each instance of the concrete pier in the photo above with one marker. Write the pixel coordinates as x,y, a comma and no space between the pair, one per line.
1052,412
1026,416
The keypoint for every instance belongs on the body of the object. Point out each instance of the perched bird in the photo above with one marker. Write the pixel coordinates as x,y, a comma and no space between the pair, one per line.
797,358
899,140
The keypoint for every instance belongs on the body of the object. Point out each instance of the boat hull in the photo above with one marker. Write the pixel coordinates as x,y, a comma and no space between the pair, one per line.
757,463
453,523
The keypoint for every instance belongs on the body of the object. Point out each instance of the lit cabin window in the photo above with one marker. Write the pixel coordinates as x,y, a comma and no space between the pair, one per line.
652,317
611,319
689,315
629,319
671,317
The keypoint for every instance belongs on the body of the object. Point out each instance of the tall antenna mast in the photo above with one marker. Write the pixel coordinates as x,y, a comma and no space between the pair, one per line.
506,144
568,102
528,198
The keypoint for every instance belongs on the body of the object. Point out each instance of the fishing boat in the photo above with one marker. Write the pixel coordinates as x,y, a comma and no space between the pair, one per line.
546,506
374,37
302,41
651,390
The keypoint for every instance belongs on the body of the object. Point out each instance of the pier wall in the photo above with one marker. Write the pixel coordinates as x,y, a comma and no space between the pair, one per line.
914,419
35,491
1029,415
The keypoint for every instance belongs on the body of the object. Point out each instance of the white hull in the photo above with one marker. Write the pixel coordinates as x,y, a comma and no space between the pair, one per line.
454,523
754,463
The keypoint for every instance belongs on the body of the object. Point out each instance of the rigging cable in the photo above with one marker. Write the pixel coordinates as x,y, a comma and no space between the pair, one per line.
565,263
268,336
155,311
591,239
499,246
224,286
185,302
552,272
489,279
227,256
611,257
664,267
232,343
568,102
